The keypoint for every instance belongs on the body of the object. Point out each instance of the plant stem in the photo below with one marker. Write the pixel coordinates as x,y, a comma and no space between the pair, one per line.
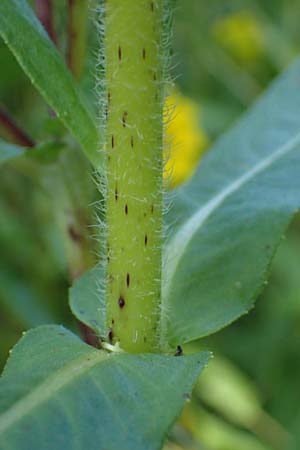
12,129
44,11
133,129
77,34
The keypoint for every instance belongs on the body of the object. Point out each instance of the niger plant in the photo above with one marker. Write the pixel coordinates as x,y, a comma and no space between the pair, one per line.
157,276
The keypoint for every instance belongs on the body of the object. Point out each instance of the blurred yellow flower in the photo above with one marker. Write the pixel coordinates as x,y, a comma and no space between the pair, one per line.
184,140
240,34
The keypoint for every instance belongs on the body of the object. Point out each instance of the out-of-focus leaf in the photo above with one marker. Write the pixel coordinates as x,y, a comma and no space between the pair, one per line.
45,153
224,388
230,218
9,151
57,392
214,433
20,302
39,58
231,394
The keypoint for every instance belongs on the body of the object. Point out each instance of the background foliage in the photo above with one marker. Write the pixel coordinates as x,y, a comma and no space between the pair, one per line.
225,55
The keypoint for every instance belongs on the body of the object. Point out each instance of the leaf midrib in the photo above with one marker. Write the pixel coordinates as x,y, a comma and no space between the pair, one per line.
49,387
180,241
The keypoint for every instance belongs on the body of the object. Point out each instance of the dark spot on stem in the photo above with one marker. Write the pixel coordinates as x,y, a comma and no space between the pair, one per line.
152,209
128,280
152,6
131,141
154,76
112,141
144,53
124,117
120,53
113,321
126,209
121,302
146,240
179,351
110,335
107,105
116,194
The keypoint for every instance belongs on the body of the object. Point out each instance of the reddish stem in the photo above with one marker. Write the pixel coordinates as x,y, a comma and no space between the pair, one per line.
77,35
18,135
44,11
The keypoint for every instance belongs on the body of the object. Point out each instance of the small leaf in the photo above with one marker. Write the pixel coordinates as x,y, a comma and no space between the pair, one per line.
40,60
86,301
9,151
45,153
57,392
231,216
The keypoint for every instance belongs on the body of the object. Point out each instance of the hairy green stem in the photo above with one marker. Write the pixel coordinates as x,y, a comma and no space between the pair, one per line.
77,35
133,94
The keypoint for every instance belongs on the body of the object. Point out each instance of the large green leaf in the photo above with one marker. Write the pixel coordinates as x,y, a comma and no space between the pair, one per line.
58,393
231,216
39,58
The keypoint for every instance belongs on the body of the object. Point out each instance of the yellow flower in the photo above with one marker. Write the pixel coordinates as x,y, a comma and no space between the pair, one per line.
241,35
185,141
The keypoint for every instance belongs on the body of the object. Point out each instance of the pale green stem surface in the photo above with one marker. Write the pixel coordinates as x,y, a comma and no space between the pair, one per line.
133,74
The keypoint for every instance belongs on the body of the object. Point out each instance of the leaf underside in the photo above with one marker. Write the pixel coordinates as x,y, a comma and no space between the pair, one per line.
231,216
57,392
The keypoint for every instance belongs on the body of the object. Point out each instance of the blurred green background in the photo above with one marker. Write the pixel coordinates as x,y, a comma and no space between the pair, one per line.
225,54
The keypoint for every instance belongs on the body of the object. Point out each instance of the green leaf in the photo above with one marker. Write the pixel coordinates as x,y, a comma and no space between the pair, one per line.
86,301
231,216
57,392
37,55
9,151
